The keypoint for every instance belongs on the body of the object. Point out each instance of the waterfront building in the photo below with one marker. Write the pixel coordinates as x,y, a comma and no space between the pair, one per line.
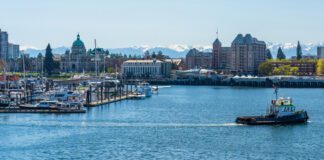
4,45
176,63
198,59
222,57
305,67
320,52
248,53
200,74
79,60
146,68
243,57
13,51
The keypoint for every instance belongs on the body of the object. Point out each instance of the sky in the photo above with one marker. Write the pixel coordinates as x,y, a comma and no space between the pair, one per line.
125,23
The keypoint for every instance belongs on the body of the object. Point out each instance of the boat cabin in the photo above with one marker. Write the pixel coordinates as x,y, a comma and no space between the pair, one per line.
283,107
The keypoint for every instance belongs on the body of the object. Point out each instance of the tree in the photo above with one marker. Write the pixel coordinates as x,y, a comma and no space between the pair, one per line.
320,67
111,70
265,69
280,54
299,51
285,70
39,56
107,52
268,54
147,55
49,64
160,56
153,55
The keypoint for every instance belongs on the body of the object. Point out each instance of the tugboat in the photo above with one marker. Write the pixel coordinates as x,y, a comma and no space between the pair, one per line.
281,111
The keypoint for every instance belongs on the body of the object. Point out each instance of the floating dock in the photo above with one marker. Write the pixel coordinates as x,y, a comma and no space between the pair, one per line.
18,110
107,101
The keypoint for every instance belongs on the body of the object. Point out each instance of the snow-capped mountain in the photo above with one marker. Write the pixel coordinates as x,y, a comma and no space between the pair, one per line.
290,48
180,50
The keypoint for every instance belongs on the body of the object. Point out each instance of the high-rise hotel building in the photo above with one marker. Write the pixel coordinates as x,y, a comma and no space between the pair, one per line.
243,57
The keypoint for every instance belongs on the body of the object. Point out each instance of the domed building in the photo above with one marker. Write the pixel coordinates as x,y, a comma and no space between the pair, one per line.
79,60
78,47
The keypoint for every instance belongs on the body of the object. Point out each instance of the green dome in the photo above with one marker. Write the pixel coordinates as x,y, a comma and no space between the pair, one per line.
78,42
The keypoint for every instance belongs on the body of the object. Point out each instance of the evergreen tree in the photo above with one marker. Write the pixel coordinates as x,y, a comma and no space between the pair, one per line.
153,55
107,52
49,64
268,54
280,54
299,51
147,55
160,56
39,56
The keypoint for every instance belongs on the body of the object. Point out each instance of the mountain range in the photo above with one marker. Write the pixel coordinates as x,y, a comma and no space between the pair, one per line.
179,51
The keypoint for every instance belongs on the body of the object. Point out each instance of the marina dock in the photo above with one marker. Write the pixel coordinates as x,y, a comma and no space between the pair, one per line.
107,101
18,110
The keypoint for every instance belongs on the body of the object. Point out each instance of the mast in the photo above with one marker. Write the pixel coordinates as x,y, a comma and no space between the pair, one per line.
275,91
96,57
24,68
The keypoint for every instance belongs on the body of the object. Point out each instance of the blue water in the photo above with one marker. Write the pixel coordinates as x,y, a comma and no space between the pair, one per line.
181,122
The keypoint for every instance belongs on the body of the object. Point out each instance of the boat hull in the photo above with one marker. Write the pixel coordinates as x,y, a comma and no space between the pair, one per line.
272,120
36,108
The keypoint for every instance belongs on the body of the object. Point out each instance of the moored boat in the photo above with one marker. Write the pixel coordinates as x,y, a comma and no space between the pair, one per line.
144,88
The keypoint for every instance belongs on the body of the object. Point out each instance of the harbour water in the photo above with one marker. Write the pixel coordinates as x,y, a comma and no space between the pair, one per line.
181,122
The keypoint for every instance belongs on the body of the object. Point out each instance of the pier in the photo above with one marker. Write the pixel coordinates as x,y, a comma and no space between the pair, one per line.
108,92
18,110
261,82
107,101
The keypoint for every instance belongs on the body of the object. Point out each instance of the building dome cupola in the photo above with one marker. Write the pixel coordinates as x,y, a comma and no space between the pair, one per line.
78,46
78,41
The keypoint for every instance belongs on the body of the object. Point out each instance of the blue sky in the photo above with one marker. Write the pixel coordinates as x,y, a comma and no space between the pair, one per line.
123,23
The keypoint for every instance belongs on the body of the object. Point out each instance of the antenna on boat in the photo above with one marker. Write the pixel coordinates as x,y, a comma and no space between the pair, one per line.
275,91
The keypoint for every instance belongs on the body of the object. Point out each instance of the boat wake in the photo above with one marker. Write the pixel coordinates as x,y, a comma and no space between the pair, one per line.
112,124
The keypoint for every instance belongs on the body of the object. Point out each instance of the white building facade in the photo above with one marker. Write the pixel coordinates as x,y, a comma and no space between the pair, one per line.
142,68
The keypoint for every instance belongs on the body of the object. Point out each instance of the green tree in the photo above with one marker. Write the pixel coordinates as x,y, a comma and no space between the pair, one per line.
320,67
268,54
39,56
111,70
160,56
107,52
280,54
147,55
49,64
265,69
153,55
299,51
294,70
285,70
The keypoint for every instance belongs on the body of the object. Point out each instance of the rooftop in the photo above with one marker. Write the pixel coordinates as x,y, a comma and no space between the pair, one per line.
247,39
142,61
